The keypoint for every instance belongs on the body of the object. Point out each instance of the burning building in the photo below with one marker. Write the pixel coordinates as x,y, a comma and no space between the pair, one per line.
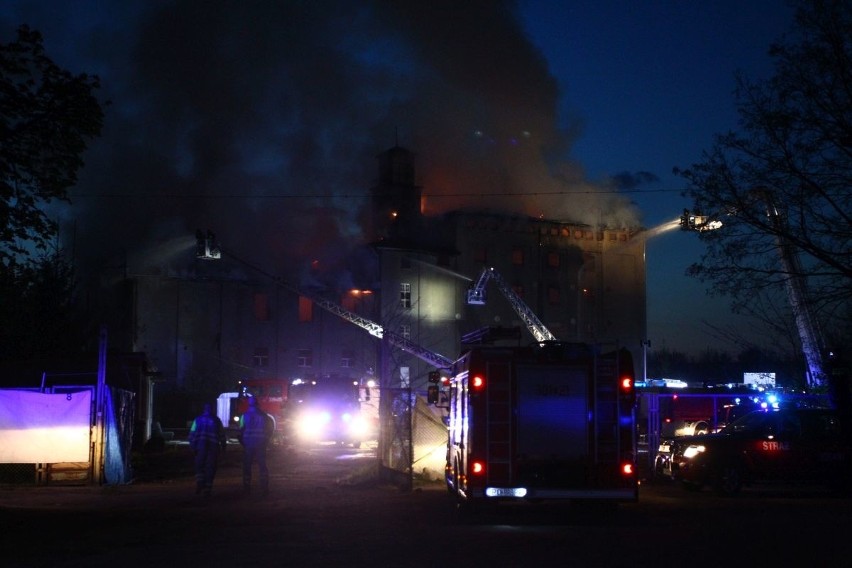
226,320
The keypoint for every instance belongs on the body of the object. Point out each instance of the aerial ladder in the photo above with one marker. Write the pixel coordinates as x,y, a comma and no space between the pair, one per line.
810,334
208,249
476,296
435,359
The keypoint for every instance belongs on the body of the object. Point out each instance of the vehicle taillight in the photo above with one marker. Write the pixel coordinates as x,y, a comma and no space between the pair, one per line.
627,389
478,382
477,467
627,469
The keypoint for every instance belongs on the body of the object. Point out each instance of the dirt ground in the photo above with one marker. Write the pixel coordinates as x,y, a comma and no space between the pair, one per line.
326,508
325,505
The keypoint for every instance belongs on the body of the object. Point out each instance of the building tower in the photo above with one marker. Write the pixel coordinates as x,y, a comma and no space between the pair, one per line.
396,198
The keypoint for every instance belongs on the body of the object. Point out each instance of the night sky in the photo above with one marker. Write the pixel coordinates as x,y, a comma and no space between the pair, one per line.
262,121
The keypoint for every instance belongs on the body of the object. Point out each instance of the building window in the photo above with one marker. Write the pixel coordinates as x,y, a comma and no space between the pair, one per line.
553,259
306,310
305,358
261,357
405,331
404,377
261,307
553,294
405,295
347,359
518,257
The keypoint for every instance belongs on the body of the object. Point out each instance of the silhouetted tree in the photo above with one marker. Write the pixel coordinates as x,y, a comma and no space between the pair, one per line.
47,118
783,181
37,310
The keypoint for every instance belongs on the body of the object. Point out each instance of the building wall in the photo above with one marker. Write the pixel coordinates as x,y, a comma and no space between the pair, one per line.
429,317
584,285
206,328
206,335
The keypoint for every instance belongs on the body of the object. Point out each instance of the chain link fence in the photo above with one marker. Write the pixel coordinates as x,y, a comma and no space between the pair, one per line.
413,438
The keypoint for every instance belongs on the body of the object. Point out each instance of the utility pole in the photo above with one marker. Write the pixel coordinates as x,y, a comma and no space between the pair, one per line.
100,397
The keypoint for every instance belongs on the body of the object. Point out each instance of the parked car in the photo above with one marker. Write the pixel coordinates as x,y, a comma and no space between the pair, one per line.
788,445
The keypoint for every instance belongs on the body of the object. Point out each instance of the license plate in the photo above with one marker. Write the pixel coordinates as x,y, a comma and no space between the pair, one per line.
664,448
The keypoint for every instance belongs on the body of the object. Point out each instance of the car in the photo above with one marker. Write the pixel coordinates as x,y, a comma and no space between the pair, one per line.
786,445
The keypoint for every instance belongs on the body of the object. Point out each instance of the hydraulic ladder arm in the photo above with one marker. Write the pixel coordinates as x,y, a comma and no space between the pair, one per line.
476,296
435,359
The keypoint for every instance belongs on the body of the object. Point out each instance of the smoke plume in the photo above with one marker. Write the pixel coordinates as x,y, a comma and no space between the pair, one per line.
262,120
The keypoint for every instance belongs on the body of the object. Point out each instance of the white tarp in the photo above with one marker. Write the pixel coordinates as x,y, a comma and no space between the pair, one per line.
44,428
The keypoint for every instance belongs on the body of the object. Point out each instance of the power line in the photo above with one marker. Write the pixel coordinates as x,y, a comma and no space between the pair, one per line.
363,195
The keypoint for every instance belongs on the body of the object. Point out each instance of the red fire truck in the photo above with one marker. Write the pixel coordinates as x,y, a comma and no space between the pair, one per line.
271,396
551,421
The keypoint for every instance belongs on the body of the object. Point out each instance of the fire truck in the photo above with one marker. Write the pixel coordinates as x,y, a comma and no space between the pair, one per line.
549,421
271,396
330,410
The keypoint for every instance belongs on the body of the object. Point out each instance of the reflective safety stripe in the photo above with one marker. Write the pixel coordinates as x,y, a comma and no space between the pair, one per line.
206,429
256,427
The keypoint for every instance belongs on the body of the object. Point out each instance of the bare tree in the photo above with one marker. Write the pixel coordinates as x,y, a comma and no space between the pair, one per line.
781,184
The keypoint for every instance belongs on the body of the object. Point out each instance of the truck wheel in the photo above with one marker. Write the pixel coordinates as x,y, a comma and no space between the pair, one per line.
657,472
475,510
729,480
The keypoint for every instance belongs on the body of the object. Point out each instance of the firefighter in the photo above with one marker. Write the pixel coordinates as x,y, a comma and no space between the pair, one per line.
206,438
256,429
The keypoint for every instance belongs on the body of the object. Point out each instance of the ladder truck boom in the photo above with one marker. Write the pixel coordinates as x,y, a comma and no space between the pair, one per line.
208,249
435,359
476,296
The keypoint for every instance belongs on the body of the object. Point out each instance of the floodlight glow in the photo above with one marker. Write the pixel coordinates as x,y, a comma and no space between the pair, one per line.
693,451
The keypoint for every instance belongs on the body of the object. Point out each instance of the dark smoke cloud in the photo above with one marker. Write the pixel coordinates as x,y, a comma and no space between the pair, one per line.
262,120
633,180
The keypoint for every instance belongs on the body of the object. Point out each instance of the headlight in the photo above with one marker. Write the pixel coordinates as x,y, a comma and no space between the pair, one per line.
357,426
312,424
692,451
